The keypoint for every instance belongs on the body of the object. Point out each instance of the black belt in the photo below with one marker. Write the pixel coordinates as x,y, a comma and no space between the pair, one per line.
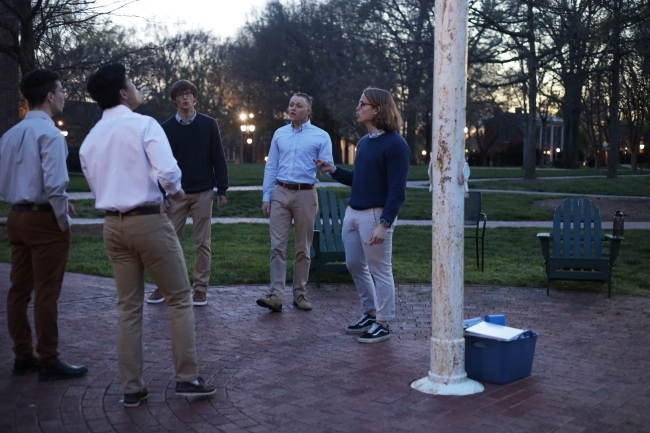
295,186
31,207
140,210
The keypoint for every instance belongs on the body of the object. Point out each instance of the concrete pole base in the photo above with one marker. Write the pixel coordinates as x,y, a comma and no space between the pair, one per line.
462,387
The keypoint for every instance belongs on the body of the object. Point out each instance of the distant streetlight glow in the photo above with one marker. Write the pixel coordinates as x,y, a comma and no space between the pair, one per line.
246,127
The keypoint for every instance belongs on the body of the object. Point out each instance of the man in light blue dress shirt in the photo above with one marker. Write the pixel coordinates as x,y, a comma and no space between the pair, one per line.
289,194
34,178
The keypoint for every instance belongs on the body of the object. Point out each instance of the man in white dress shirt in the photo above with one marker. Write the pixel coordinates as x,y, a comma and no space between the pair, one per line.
123,158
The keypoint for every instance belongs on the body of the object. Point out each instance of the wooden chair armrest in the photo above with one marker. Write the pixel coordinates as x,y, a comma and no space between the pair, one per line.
545,245
614,247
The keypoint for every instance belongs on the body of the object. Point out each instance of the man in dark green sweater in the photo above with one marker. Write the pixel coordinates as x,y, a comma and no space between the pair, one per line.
196,144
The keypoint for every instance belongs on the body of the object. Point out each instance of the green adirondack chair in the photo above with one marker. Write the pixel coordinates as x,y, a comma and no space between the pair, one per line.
473,219
327,251
576,250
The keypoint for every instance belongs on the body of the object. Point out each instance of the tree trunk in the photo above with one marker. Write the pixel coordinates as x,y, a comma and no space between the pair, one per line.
571,114
531,119
615,96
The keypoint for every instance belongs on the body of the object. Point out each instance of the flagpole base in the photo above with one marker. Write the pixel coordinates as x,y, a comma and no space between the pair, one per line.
462,387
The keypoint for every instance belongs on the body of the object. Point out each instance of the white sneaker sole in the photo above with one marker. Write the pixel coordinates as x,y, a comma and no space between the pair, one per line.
357,331
155,301
373,340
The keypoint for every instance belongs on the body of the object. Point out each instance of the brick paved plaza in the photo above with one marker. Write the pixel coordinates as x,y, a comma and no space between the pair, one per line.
299,372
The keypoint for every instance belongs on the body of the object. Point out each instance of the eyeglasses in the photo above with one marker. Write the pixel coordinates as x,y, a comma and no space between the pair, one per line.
363,104
62,90
185,94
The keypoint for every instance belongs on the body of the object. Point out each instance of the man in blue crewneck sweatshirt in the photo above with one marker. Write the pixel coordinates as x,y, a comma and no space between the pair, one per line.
196,144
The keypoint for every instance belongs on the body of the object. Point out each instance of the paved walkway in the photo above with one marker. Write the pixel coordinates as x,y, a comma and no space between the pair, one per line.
299,372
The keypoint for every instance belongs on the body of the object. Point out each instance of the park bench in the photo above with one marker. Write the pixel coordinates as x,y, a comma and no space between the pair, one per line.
327,251
574,250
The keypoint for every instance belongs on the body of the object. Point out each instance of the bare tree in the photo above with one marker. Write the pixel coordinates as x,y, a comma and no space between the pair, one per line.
34,26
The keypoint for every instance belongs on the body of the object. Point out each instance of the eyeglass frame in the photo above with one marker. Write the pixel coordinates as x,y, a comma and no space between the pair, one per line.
186,93
62,90
363,104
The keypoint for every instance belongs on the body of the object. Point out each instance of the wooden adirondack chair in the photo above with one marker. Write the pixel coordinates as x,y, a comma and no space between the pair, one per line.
327,252
577,239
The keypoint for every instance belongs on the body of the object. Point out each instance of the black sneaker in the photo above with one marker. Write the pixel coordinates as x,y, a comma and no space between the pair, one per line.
191,389
362,325
23,366
376,334
135,398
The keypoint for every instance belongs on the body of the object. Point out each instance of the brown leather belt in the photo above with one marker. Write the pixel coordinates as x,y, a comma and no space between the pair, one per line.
140,210
31,207
295,186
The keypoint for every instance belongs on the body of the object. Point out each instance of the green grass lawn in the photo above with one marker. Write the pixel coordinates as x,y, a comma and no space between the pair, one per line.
253,174
512,258
498,206
624,186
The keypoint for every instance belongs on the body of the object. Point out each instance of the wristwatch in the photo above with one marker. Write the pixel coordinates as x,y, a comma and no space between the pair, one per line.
385,223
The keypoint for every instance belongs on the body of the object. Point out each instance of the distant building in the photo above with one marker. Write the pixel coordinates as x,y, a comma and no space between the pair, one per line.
504,131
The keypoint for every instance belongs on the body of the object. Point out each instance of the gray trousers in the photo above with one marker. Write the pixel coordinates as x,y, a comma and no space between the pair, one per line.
367,262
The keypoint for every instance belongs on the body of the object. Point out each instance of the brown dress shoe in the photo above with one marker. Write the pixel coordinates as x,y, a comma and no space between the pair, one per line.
200,298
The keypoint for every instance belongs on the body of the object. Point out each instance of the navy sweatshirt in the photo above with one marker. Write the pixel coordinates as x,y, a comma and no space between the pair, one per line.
378,178
198,150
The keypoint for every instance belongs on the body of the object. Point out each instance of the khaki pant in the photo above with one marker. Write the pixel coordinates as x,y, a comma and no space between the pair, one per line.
39,252
133,244
302,207
200,206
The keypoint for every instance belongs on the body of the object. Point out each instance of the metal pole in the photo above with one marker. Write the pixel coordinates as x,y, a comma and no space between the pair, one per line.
447,370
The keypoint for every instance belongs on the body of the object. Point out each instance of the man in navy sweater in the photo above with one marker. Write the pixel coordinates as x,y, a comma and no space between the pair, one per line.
196,144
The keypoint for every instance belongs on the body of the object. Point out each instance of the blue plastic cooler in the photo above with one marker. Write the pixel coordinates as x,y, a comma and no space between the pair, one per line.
489,360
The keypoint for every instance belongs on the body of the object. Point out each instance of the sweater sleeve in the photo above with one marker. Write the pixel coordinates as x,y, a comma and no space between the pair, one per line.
343,176
398,158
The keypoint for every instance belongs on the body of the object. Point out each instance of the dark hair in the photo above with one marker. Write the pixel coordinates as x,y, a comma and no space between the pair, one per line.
308,98
388,119
104,85
36,85
181,86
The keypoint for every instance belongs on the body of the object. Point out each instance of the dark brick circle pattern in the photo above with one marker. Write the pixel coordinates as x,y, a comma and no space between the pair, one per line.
299,372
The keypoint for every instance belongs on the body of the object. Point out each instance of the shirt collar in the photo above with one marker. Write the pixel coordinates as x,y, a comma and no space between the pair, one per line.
183,122
38,114
114,112
376,133
307,123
